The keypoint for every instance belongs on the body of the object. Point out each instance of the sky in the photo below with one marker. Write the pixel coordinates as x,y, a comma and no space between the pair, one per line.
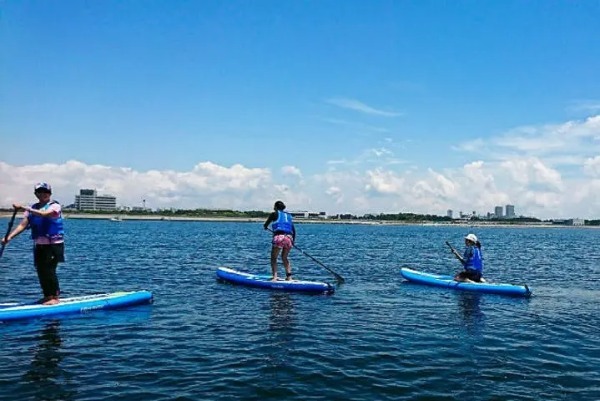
337,106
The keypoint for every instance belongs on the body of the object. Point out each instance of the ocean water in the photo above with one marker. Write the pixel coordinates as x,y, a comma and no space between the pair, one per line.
376,338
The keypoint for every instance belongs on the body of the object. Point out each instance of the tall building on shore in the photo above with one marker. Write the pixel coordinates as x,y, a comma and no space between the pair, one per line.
510,211
89,200
498,212
449,213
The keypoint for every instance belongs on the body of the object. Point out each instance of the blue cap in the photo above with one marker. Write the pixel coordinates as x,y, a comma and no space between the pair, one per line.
42,187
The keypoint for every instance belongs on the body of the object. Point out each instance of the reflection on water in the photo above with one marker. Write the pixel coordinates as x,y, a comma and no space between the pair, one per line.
375,339
282,321
282,317
472,316
45,376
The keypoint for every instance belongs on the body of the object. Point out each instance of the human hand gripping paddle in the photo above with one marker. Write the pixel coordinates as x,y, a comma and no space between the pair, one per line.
10,224
339,278
455,252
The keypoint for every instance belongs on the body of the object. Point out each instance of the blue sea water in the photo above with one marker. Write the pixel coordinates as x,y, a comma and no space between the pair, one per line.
376,338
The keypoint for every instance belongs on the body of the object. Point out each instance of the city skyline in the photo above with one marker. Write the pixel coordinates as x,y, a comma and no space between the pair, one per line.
346,106
90,200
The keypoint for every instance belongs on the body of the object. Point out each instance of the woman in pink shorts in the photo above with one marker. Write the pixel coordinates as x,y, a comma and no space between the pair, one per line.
284,235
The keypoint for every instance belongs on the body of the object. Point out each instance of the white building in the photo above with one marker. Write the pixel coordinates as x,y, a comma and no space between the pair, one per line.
89,200
309,215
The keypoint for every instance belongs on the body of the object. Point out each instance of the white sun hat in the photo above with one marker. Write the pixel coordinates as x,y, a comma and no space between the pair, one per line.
471,237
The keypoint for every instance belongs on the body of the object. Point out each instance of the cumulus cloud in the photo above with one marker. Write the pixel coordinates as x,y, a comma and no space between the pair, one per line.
291,171
206,185
384,182
529,178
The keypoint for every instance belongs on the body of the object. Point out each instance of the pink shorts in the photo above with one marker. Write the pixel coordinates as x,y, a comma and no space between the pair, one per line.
282,241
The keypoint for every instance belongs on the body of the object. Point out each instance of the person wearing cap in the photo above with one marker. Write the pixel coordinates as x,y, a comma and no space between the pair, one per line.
284,235
471,259
44,218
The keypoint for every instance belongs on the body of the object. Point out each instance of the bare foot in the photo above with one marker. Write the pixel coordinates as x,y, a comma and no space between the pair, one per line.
51,301
274,278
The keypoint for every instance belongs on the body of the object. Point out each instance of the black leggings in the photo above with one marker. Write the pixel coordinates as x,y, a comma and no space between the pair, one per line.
46,259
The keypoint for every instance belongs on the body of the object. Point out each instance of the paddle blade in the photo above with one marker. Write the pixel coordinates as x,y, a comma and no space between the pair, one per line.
10,224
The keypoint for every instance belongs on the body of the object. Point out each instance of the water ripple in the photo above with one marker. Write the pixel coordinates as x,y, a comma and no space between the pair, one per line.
377,337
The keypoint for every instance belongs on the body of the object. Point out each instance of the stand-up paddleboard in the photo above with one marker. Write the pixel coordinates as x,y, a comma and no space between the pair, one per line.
83,304
439,280
264,281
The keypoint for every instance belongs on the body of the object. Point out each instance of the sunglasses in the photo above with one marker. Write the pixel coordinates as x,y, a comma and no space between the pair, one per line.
42,191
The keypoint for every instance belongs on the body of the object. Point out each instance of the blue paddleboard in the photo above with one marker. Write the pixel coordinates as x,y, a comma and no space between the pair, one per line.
439,280
82,304
264,281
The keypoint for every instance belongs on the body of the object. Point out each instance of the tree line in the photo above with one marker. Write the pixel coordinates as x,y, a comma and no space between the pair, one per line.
229,213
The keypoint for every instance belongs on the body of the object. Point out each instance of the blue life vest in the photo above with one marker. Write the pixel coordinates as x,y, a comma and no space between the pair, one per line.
284,223
45,226
473,259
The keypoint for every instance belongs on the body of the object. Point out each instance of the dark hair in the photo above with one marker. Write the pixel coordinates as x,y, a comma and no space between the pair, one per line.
478,244
279,205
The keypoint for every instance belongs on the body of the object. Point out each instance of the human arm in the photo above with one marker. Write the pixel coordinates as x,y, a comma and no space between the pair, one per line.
272,217
52,211
456,254
18,230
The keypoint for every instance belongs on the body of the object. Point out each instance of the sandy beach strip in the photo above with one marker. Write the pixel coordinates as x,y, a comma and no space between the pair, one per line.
116,217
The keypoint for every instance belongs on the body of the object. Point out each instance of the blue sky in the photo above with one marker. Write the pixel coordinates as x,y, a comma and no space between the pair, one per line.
340,106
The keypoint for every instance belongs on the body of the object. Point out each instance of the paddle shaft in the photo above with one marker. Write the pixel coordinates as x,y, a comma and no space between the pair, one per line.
455,252
10,224
339,278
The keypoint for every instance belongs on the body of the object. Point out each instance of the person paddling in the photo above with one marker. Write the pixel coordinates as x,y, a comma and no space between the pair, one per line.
45,220
471,259
284,235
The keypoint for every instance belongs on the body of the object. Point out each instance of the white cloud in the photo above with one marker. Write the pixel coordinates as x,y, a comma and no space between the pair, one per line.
380,156
356,126
355,105
591,166
571,136
368,182
586,106
473,146
206,185
380,152
384,182
532,171
291,170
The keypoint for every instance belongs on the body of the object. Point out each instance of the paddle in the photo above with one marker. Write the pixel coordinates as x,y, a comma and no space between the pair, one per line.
10,224
339,278
455,252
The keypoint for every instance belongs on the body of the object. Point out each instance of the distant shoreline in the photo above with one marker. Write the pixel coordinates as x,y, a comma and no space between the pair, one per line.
124,218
